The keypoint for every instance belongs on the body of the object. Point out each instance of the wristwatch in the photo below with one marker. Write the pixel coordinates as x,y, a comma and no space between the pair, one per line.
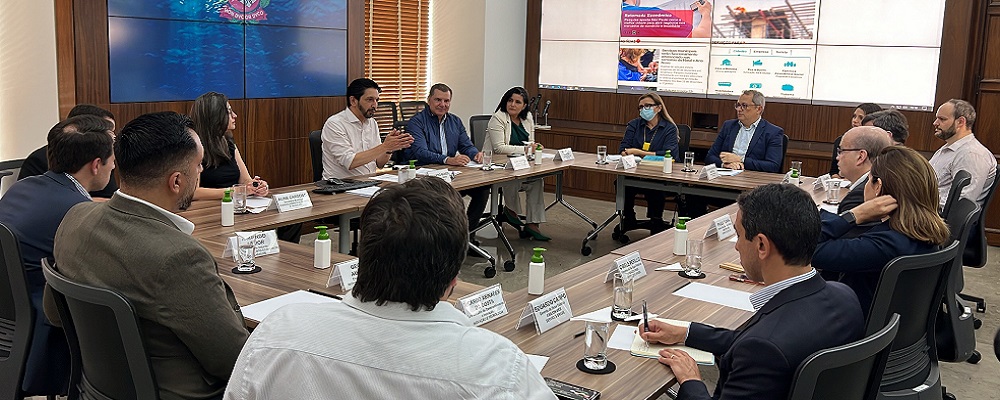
849,216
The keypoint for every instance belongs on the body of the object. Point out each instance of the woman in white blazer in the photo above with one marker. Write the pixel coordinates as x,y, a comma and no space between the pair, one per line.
508,132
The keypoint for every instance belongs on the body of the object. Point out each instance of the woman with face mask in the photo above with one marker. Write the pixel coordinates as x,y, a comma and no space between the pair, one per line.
653,133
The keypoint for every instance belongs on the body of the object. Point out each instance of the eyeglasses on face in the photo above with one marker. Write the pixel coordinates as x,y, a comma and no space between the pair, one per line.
647,106
743,106
841,150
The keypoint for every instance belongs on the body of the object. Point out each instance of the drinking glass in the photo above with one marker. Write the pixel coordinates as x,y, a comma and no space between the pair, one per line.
688,161
602,155
621,308
797,165
529,150
246,250
833,191
487,160
239,194
694,251
595,350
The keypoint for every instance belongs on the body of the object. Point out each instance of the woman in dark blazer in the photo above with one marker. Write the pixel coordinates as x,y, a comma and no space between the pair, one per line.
654,133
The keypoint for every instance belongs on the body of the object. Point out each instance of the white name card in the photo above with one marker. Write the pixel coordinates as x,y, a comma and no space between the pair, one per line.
626,162
630,265
517,163
820,182
484,305
292,201
547,311
709,172
564,154
723,226
264,243
344,274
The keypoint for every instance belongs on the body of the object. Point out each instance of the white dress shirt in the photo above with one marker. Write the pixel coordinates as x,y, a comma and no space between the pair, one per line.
356,350
969,154
182,223
344,136
743,138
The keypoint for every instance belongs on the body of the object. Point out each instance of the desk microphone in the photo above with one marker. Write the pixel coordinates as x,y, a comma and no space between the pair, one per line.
538,102
531,103
545,111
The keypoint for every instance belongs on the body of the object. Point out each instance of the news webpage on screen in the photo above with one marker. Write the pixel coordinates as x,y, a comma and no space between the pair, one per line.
825,52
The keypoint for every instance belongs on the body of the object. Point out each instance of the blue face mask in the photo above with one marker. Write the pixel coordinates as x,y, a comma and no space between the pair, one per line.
647,113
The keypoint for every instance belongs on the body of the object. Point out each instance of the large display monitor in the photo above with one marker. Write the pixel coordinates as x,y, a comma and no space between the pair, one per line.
833,52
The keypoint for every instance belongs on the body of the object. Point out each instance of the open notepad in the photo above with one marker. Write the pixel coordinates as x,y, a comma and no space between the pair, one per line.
642,349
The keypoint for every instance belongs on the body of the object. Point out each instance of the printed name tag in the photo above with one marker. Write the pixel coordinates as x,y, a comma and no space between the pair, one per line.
626,162
547,311
709,172
517,163
292,201
344,274
723,226
820,182
564,154
629,265
264,243
484,305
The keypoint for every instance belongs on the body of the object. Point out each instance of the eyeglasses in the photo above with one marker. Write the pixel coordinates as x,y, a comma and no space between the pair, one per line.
647,106
743,106
840,150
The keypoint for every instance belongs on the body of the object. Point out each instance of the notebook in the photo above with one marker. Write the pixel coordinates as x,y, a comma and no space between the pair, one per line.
652,350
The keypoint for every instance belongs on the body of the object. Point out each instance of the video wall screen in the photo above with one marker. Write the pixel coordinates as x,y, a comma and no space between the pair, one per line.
834,52
171,50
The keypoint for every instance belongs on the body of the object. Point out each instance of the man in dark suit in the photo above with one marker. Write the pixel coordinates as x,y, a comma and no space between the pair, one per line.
81,160
854,158
136,245
798,313
749,141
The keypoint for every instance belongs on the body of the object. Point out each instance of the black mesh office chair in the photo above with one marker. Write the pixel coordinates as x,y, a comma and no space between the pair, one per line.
477,130
109,356
784,152
912,286
316,156
8,167
851,371
17,317
962,179
955,329
407,109
974,254
386,116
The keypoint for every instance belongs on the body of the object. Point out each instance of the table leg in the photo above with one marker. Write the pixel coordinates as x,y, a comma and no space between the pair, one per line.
561,200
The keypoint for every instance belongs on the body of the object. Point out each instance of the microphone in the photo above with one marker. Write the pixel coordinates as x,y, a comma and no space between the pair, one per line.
538,102
531,103
545,111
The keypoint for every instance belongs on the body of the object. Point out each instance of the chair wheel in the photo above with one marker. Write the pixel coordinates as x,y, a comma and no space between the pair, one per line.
977,323
586,250
975,358
949,396
490,272
508,265
623,239
615,235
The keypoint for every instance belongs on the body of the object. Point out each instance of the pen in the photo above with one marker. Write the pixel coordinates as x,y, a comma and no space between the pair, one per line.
579,334
743,278
645,316
324,294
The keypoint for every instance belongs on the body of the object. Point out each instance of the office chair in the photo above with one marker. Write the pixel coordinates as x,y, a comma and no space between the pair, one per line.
386,116
9,166
851,371
17,316
407,109
477,129
962,179
316,157
109,357
912,286
955,330
974,254
784,152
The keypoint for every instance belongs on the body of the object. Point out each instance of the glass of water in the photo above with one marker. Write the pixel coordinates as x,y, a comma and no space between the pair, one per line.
833,191
622,305
797,165
602,155
692,267
595,350
688,161
487,160
239,192
246,250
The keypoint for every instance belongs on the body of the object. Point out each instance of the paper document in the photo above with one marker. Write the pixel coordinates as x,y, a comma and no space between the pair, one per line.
364,192
614,157
621,338
473,164
675,267
729,172
257,311
537,361
386,178
256,205
718,295
640,348
547,156
602,315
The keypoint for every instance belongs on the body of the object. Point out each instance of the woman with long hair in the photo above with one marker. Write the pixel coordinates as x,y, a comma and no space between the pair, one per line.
214,121
902,196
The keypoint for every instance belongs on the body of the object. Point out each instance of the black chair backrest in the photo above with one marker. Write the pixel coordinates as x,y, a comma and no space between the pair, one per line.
911,286
407,109
996,344
386,117
477,130
7,168
851,371
962,179
784,152
17,317
112,356
975,251
683,141
316,154
960,220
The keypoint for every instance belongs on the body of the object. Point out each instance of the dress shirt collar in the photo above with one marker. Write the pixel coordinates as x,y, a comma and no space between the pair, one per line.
443,312
761,298
351,118
863,178
752,126
960,143
182,224
79,187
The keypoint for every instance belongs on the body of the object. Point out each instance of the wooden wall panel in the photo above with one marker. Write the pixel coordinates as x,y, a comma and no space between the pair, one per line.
987,103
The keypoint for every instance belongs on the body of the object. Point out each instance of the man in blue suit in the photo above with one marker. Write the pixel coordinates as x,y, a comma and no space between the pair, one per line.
439,137
749,141
80,159
798,313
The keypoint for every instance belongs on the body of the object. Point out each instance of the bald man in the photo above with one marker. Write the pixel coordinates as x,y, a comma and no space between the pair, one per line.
854,158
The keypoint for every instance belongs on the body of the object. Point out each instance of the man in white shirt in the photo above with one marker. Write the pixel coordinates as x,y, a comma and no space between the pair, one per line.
394,336
961,150
351,142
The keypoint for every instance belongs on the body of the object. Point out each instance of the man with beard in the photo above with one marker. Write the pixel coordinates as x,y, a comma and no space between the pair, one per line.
961,150
136,244
351,142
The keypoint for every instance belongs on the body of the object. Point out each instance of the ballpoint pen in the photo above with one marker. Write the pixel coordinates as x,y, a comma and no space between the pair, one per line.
645,316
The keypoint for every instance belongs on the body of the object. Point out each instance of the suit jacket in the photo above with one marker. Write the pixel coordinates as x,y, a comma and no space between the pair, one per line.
763,154
425,129
854,197
861,259
498,133
665,138
32,208
37,163
192,326
759,360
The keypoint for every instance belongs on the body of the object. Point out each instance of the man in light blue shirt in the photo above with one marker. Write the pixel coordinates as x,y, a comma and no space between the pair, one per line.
749,141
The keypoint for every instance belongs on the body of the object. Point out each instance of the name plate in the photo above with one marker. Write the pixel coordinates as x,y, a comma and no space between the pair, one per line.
517,163
344,274
484,305
264,243
564,154
630,265
546,312
820,182
722,226
709,172
292,201
626,162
